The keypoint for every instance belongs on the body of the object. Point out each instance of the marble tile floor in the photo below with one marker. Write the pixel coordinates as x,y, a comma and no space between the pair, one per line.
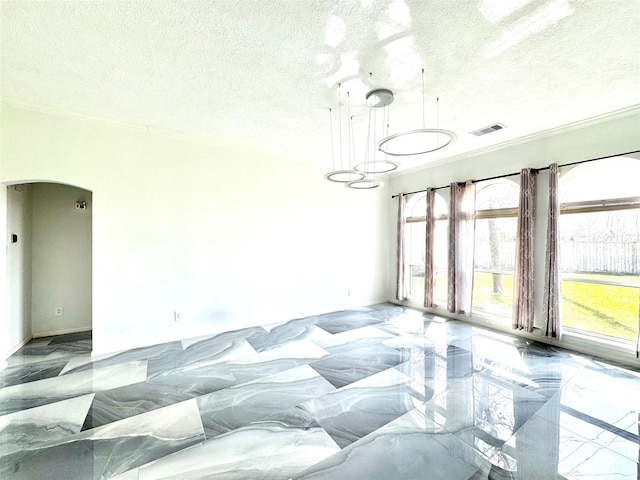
381,392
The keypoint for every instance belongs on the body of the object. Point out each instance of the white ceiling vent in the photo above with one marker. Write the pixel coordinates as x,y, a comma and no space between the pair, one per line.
489,129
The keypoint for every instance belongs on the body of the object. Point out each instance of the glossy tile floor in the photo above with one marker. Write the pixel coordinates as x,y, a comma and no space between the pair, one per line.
372,393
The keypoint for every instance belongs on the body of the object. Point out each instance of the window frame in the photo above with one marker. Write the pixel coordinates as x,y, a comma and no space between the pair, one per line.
598,206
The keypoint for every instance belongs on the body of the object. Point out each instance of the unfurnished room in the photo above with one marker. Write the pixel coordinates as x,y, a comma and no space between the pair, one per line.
320,239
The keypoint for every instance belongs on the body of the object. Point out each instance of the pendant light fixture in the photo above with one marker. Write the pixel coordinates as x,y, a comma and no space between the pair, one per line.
420,141
366,183
378,99
342,174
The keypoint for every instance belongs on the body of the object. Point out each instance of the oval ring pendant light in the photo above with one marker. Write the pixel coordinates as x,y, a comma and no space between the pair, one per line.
416,142
420,141
344,176
365,184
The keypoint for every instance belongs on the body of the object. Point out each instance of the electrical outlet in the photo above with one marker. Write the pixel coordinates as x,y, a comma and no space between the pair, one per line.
177,316
58,311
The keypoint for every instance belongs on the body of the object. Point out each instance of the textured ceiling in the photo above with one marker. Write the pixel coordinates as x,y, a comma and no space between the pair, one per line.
266,72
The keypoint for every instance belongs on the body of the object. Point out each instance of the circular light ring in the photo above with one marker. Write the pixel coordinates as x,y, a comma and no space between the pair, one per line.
452,138
379,97
345,176
365,184
377,166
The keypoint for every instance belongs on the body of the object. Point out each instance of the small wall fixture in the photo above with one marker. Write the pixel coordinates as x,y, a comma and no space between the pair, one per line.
81,205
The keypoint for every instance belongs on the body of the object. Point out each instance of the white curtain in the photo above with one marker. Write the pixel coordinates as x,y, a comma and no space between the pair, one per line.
553,288
401,288
429,259
524,276
461,247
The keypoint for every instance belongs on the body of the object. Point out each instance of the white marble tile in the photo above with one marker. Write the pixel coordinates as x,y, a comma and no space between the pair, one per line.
265,450
355,334
49,390
112,449
409,448
79,363
201,354
541,449
238,406
360,408
303,349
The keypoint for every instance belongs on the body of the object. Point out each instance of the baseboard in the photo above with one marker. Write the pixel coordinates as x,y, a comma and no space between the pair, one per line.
16,348
61,332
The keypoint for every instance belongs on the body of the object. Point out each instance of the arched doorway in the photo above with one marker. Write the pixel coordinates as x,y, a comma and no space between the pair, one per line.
49,261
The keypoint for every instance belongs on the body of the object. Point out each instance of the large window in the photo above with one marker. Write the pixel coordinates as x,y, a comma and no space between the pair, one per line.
415,232
495,246
600,247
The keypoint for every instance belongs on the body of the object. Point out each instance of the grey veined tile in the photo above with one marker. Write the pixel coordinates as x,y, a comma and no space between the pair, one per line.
354,411
160,351
109,450
49,349
31,372
482,412
349,366
130,400
265,450
206,351
411,447
31,428
542,449
49,390
238,406
275,360
293,331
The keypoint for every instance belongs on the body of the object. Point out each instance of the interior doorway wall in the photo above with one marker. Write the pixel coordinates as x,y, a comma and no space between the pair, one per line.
49,260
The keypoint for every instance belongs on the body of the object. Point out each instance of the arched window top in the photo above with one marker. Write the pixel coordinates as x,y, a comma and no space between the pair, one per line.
617,177
500,193
417,205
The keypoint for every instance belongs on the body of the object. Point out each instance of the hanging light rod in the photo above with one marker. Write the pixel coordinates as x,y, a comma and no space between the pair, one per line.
342,175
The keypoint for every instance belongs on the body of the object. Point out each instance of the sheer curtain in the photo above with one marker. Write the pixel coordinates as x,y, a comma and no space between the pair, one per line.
401,288
429,251
638,342
461,247
552,287
524,277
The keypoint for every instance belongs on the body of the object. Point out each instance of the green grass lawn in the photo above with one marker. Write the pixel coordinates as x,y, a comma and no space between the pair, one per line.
605,309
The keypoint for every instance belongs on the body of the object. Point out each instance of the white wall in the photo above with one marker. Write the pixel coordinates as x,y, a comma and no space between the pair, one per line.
593,139
61,260
228,236
6,342
19,260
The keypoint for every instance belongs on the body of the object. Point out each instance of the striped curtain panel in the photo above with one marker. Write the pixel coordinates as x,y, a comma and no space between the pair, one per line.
461,247
429,251
401,288
638,342
552,288
524,277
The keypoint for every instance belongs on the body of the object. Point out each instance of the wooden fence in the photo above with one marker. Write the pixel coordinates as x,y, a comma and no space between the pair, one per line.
586,257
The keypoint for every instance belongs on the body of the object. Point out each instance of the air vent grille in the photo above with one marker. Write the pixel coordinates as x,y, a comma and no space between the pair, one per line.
491,128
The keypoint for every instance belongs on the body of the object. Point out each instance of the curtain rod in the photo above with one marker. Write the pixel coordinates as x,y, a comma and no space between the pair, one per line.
534,169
